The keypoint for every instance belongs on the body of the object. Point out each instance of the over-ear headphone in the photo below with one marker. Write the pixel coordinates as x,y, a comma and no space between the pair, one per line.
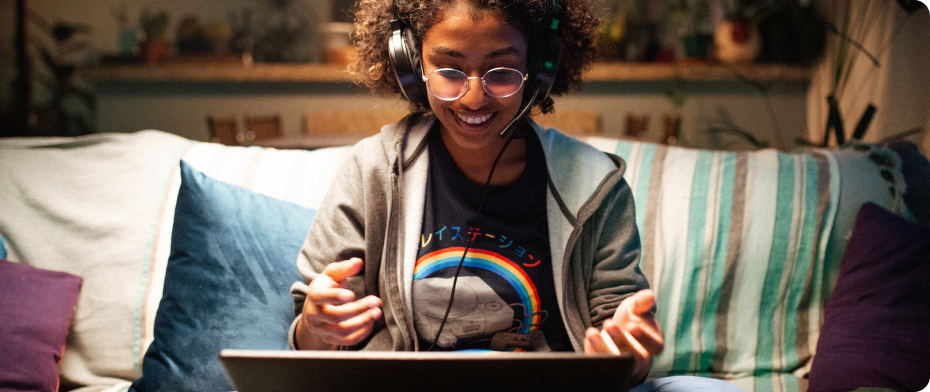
542,64
405,61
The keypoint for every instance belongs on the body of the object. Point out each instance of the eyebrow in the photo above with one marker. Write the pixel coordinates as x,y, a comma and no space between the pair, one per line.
495,54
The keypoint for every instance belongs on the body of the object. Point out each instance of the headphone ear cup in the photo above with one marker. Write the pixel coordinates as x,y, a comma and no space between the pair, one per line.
405,61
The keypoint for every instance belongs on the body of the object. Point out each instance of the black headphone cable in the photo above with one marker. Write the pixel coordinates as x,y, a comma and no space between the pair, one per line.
487,185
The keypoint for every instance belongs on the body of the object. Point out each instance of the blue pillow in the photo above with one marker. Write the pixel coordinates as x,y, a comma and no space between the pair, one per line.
2,248
232,262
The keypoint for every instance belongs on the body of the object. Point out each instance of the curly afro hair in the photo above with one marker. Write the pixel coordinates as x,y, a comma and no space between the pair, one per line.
372,65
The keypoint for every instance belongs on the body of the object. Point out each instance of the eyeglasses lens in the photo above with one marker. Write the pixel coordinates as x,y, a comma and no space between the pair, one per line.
448,83
502,82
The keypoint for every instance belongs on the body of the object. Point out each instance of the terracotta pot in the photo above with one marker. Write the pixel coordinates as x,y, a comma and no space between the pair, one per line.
154,50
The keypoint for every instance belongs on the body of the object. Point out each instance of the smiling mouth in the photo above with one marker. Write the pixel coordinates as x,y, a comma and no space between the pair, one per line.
474,120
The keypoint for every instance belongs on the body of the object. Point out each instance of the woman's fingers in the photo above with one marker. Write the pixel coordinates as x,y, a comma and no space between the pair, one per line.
624,340
634,322
350,331
642,302
342,270
594,342
649,335
327,293
336,314
633,330
332,313
329,287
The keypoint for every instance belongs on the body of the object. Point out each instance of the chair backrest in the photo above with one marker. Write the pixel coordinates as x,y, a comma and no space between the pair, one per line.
369,122
349,122
262,128
225,130
572,122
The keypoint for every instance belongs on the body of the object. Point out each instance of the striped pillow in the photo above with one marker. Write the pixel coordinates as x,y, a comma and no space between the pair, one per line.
734,246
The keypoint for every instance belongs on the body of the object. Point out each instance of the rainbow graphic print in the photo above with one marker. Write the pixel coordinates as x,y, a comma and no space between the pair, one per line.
493,262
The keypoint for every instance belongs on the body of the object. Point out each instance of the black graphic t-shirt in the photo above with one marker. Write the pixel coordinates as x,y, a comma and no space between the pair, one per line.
505,295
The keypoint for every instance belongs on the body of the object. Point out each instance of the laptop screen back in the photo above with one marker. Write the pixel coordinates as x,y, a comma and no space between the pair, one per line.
270,371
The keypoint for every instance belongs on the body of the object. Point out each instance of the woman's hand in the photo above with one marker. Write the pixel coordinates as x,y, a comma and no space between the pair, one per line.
633,330
331,315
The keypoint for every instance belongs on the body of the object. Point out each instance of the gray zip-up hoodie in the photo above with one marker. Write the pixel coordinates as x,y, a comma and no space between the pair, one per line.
374,210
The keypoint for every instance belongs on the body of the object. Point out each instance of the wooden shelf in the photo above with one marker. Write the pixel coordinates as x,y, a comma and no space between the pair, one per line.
695,72
217,72
599,72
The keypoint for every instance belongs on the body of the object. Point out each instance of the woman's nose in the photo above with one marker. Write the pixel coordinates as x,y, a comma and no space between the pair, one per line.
475,97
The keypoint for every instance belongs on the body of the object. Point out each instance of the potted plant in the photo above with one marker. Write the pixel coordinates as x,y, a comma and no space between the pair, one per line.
154,24
697,30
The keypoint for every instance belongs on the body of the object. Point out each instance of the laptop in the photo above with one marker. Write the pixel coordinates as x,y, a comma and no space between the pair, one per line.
325,371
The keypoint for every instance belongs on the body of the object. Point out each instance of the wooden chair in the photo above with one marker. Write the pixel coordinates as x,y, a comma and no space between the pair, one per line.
364,123
572,122
225,130
349,122
262,128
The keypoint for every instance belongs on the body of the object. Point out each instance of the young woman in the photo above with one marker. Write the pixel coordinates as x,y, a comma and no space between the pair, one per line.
533,232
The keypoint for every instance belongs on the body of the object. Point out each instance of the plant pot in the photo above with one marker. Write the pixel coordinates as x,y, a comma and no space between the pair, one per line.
696,45
154,50
128,38
737,41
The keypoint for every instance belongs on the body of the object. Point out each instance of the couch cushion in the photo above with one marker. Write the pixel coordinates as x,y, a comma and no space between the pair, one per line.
297,176
92,206
735,244
74,190
36,307
875,332
232,261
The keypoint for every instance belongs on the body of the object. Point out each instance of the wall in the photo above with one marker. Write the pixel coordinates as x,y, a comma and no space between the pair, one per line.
896,82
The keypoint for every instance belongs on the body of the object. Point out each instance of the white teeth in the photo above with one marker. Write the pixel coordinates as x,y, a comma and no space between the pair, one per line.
473,120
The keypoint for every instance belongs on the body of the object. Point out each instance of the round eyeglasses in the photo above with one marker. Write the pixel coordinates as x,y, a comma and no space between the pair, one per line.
450,84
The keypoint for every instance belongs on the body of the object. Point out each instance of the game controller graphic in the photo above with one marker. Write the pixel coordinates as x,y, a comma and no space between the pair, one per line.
535,340
476,311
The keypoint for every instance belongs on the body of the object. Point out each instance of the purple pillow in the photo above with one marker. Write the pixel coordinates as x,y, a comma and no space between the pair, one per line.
36,307
876,330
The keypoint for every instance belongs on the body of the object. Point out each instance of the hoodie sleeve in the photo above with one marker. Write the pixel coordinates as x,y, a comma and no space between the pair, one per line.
342,225
614,272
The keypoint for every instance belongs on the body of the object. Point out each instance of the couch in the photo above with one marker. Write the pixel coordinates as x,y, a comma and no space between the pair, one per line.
176,249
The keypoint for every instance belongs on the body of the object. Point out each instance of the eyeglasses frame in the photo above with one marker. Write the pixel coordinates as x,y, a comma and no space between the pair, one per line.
468,82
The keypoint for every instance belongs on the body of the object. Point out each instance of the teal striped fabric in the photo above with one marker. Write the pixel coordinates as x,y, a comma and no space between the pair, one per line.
734,246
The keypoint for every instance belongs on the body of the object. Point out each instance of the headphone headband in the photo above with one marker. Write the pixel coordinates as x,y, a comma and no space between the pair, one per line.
547,59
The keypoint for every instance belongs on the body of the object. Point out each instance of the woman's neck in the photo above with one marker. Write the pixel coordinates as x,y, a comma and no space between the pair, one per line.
477,163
